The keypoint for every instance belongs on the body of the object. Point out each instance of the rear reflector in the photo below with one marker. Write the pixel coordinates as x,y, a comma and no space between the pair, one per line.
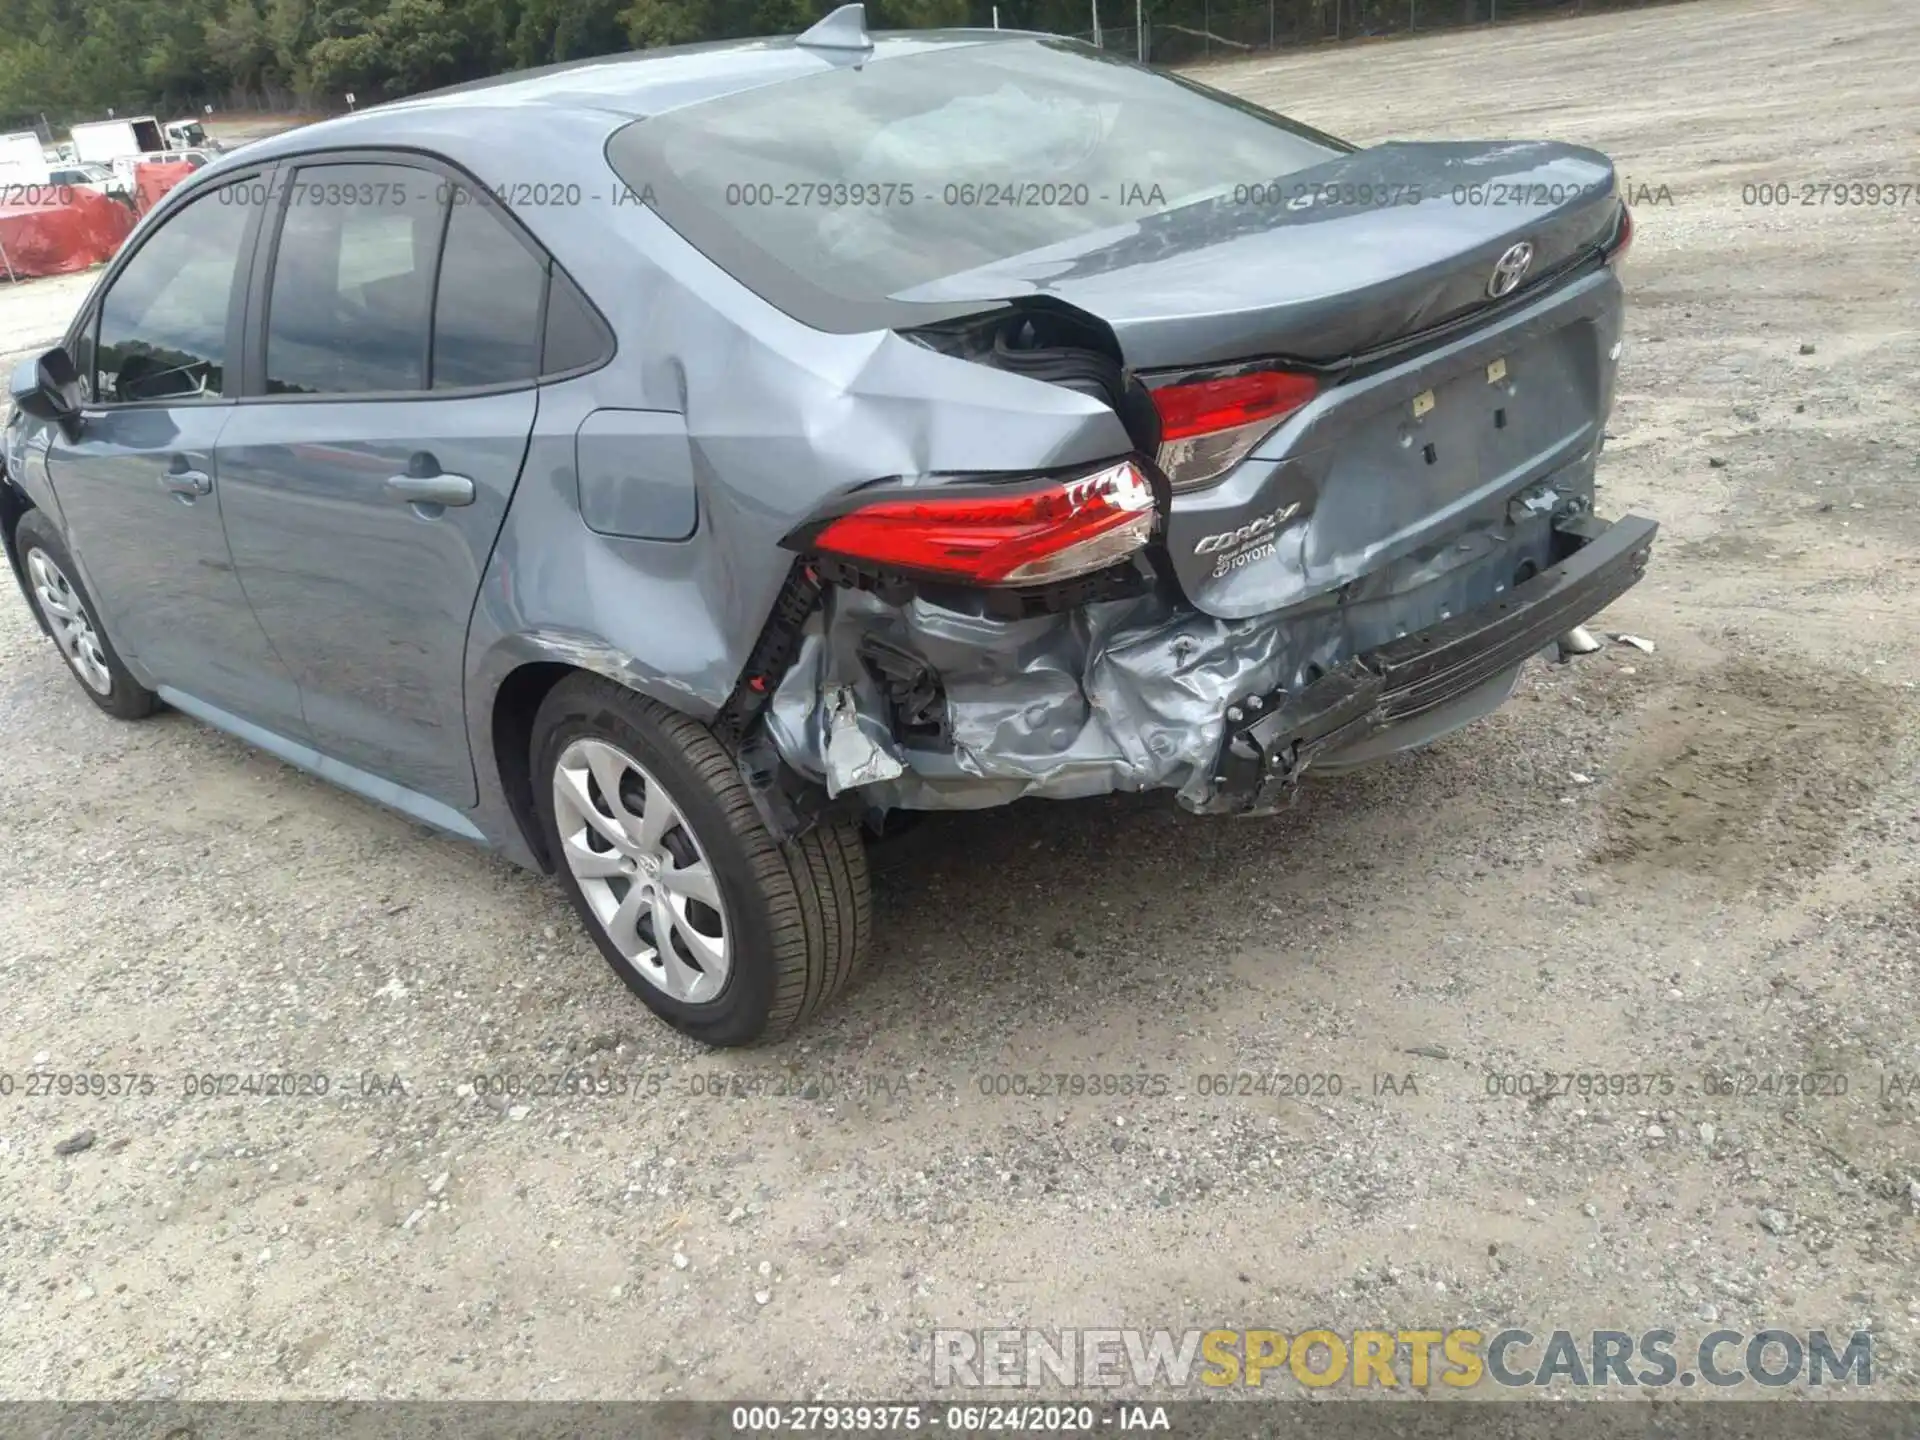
1049,532
1209,426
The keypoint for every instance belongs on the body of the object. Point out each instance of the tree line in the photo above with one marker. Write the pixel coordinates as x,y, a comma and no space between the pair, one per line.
72,59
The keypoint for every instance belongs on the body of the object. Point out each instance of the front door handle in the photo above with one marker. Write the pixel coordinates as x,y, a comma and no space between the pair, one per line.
187,483
439,489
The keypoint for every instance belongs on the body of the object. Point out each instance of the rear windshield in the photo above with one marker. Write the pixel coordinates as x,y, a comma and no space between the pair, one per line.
836,195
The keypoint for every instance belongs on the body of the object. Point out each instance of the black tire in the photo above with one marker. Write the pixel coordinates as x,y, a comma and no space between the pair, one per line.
798,913
126,698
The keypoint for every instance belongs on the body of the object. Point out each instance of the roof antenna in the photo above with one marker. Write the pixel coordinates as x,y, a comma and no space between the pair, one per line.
844,29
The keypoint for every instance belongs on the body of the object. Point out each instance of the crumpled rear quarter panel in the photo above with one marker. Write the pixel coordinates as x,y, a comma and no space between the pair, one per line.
777,417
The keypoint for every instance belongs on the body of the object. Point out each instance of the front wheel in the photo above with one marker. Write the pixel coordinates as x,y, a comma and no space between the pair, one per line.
728,935
64,605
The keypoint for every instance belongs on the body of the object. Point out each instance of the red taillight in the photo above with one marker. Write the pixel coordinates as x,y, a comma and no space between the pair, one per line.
1622,237
1052,532
1209,426
1207,406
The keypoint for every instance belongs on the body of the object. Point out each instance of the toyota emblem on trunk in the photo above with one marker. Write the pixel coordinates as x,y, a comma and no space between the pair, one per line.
1510,269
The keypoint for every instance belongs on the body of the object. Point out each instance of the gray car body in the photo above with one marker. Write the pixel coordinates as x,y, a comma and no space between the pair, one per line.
719,422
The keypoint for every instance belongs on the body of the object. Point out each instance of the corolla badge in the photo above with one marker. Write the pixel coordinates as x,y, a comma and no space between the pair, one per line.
1510,270
1235,549
1256,529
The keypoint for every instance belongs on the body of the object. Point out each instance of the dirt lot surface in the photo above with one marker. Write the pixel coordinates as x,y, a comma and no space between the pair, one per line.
1698,859
34,315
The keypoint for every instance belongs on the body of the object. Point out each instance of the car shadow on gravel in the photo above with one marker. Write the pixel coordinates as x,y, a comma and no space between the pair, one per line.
1078,913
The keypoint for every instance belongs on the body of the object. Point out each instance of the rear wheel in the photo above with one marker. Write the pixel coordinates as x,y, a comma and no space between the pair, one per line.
54,583
728,935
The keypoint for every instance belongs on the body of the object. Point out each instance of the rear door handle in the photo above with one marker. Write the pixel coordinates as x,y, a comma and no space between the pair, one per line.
187,483
438,489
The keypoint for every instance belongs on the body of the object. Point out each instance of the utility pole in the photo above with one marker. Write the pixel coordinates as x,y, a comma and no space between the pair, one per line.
1096,26
1140,31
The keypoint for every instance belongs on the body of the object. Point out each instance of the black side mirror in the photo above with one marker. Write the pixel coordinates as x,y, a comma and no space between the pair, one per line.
49,389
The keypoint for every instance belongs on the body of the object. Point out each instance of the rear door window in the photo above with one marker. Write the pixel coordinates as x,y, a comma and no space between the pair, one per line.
352,291
393,280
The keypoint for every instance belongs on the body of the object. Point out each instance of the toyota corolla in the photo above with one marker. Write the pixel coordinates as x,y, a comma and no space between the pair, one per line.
662,468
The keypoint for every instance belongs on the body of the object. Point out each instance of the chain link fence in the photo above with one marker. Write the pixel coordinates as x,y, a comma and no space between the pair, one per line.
1182,32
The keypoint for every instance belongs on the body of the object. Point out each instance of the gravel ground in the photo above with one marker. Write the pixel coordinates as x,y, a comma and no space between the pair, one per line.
1696,859
34,316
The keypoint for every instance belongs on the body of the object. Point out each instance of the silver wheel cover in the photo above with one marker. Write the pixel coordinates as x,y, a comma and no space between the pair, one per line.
67,617
643,871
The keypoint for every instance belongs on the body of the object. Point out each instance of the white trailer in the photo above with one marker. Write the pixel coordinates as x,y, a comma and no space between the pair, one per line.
102,142
22,161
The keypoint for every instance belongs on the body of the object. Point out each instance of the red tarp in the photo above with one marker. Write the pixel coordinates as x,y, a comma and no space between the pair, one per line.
74,230
154,178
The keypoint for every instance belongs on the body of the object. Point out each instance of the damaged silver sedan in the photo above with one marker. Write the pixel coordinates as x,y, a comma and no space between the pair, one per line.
695,456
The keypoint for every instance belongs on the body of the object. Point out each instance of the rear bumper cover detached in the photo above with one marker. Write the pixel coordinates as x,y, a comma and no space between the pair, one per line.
1148,693
1271,739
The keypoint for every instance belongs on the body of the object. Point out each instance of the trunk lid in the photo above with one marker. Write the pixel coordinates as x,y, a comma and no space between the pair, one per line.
1411,467
1324,264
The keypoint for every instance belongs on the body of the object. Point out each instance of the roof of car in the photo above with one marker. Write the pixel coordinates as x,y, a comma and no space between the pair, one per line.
616,88
645,82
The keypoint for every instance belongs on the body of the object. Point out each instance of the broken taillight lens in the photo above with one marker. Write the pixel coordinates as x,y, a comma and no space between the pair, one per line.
983,535
1208,426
